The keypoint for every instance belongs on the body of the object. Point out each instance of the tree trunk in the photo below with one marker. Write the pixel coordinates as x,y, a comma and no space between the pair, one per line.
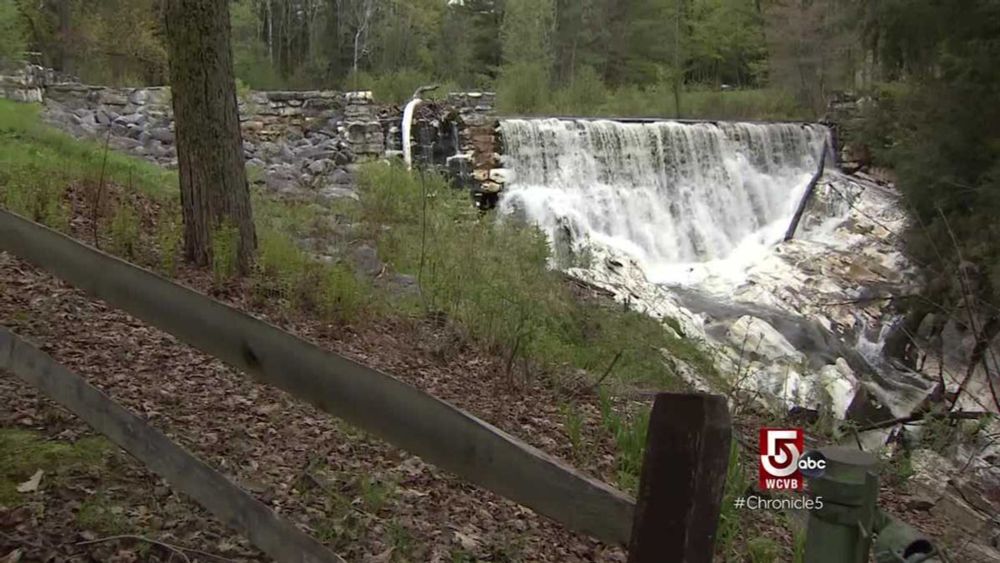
214,191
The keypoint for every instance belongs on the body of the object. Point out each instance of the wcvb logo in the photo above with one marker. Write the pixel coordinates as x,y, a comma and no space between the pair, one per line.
783,461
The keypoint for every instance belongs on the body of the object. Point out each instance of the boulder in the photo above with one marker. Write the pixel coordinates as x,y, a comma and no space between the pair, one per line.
317,167
759,339
163,135
338,192
341,177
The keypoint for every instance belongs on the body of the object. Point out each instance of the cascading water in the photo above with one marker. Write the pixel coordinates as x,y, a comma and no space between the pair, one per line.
682,221
678,198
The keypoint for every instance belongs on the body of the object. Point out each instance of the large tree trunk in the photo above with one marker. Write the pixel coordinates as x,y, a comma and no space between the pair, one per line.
214,191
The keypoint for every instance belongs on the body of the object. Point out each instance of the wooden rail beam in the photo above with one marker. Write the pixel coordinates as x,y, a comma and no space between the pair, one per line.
272,534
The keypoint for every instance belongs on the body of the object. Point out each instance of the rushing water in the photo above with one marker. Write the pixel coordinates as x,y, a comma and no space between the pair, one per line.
675,197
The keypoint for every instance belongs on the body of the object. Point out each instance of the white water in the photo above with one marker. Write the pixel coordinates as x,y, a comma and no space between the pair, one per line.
685,201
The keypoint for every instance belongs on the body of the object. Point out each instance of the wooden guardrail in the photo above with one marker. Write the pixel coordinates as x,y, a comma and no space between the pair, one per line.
686,455
401,414
236,508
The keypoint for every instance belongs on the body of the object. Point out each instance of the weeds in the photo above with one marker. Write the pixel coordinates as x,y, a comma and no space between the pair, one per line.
125,230
629,434
737,482
33,193
168,241
225,240
574,429
99,514
763,550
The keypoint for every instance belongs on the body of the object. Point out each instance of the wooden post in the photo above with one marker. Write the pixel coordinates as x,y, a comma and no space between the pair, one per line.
683,479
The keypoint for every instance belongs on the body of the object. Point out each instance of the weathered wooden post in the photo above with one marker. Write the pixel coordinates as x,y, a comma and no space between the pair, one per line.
683,479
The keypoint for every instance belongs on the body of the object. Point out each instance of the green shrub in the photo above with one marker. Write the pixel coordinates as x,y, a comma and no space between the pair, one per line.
281,267
169,235
523,88
343,296
12,38
584,95
125,231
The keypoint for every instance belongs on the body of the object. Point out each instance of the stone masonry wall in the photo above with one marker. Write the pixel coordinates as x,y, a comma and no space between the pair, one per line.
295,141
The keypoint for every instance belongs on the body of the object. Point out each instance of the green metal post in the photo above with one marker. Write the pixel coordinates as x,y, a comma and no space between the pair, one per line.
841,531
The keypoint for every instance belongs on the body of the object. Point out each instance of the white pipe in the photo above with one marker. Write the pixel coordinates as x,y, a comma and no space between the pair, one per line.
408,131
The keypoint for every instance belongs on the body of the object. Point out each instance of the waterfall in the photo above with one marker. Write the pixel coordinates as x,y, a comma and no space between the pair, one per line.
675,197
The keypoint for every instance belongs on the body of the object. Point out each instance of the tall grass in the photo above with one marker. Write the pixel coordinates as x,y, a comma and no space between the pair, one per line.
28,147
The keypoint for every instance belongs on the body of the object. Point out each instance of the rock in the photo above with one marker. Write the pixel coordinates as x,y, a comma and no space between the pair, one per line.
281,179
163,135
920,504
366,260
502,175
404,284
341,177
759,339
317,167
317,153
124,143
156,150
338,192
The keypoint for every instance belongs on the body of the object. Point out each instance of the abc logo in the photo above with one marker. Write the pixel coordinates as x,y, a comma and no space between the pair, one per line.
812,464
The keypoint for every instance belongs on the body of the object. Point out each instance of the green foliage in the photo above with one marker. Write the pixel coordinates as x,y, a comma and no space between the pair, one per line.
23,452
168,240
28,190
125,230
225,242
523,88
737,482
13,42
574,428
105,42
584,95
99,514
629,433
940,131
28,145
763,550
